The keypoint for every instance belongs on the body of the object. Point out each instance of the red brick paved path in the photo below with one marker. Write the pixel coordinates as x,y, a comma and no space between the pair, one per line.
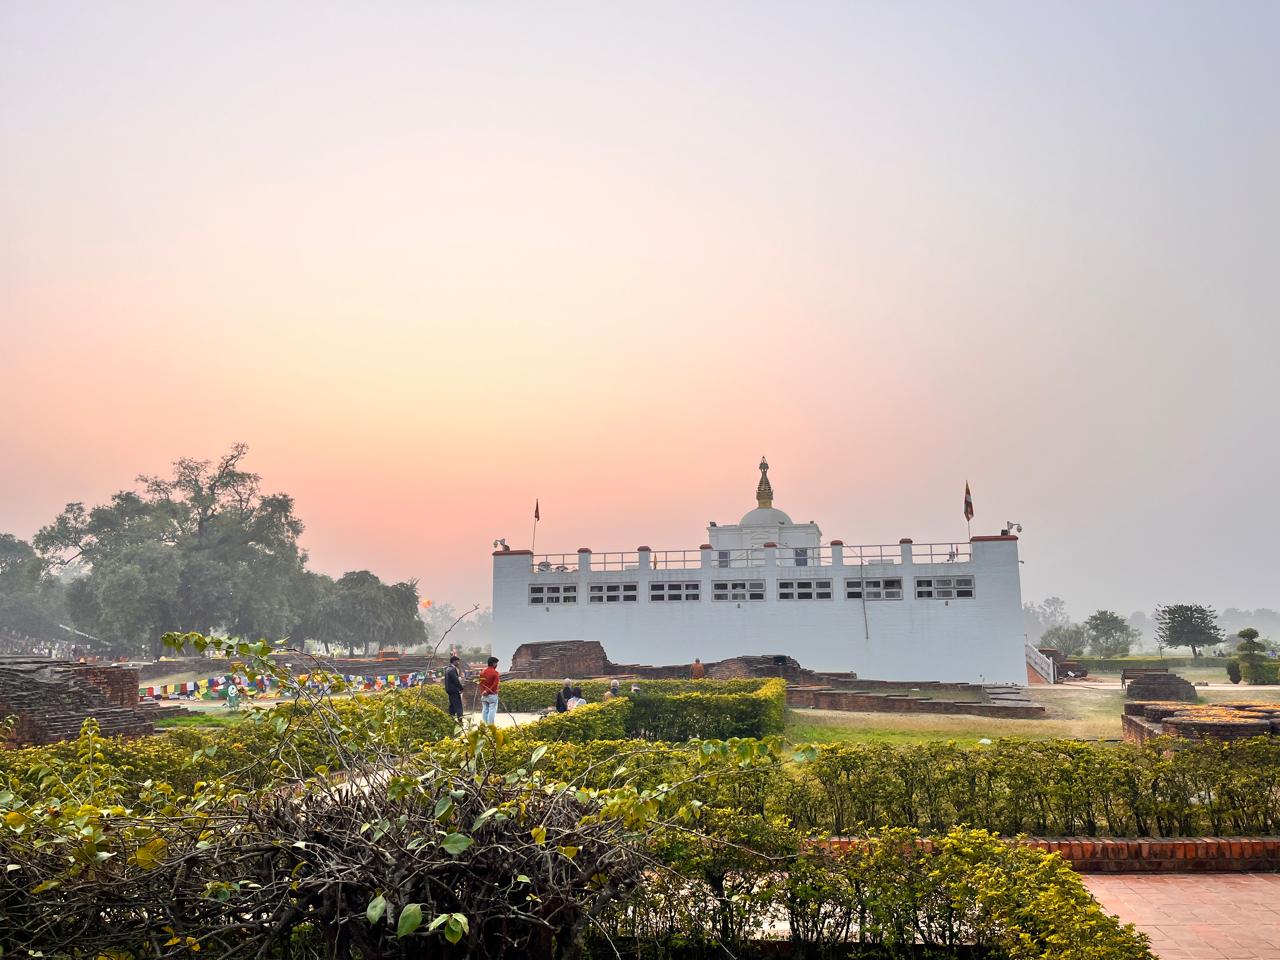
1209,916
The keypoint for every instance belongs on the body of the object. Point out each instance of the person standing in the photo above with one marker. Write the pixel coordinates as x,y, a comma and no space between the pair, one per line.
489,679
613,690
697,671
453,687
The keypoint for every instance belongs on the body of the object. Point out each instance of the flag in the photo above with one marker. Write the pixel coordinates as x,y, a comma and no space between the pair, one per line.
968,502
537,514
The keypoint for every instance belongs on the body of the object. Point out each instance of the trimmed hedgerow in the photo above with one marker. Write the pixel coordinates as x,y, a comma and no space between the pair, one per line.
709,714
584,724
1163,788
530,696
893,893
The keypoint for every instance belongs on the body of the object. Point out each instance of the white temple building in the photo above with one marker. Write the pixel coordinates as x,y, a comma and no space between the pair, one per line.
767,585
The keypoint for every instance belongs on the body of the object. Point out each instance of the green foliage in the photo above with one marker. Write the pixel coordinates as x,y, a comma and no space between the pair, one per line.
707,715
1233,671
592,721
206,549
1254,664
529,696
966,887
1187,625
894,892
1117,664
1109,634
360,610
1070,638
1046,788
31,605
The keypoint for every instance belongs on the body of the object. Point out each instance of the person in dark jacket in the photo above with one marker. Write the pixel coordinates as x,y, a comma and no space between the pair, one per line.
453,687
563,695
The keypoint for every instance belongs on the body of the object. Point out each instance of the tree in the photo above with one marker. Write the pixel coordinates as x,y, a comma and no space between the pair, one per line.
360,610
31,604
1251,655
1187,625
1109,635
1038,619
1070,639
203,549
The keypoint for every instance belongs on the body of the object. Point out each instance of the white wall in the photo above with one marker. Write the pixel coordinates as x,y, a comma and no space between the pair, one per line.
975,640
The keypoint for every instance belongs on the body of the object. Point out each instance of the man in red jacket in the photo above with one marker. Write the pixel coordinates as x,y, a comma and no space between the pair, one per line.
488,683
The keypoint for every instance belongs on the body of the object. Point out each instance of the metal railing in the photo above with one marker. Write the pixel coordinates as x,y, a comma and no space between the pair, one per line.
881,553
884,554
941,552
556,563
806,556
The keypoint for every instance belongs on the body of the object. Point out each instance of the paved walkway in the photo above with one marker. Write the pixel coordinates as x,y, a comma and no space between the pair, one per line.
1210,916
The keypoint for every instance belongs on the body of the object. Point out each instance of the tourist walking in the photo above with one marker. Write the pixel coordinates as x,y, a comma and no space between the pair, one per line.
577,700
453,687
613,690
489,679
697,671
563,695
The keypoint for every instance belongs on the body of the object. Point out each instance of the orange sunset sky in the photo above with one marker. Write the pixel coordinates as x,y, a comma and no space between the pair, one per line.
434,261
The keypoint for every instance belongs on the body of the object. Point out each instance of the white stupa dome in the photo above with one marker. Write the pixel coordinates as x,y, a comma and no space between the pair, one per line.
764,516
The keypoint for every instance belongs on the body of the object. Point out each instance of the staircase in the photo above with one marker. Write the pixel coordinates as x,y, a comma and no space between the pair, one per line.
51,703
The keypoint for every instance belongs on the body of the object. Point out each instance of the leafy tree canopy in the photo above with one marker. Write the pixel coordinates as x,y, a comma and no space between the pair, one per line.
1070,638
1109,634
31,605
205,549
1187,625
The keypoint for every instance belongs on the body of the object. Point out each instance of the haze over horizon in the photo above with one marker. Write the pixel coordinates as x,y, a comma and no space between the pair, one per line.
435,263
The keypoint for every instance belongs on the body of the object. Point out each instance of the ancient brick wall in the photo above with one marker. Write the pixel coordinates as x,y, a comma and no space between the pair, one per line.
118,685
555,660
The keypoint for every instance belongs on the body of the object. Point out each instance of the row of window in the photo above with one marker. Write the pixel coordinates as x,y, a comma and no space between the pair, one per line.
927,588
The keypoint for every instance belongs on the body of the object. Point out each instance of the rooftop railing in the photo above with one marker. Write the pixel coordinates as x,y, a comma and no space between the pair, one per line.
831,555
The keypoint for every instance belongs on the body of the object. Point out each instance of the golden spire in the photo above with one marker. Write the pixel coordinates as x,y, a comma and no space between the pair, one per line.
764,491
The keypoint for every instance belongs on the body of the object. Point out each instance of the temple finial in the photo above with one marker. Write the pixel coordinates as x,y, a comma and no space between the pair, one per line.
764,491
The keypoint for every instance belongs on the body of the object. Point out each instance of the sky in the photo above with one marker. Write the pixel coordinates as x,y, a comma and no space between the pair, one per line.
432,261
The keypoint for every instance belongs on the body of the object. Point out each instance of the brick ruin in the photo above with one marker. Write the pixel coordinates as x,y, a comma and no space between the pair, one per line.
1161,687
1211,721
584,659
51,699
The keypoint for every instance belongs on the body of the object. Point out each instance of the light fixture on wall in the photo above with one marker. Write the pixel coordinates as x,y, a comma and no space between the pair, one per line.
1010,527
501,543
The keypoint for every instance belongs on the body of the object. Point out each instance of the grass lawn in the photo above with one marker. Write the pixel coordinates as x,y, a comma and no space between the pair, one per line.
1083,712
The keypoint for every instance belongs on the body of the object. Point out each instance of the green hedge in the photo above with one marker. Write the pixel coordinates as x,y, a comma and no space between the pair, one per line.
709,715
1164,788
895,893
592,721
530,696
1046,788
734,709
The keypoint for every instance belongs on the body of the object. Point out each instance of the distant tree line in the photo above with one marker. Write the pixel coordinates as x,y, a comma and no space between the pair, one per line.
1106,634
204,550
